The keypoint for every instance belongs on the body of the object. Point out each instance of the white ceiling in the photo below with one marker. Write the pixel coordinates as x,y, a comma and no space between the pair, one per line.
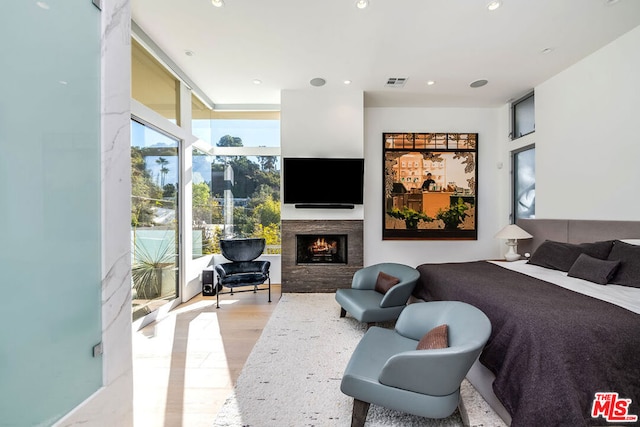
286,43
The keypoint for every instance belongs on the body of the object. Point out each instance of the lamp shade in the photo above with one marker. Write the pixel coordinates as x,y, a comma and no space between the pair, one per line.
512,231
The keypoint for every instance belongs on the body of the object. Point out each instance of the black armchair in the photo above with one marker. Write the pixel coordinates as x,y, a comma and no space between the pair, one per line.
243,270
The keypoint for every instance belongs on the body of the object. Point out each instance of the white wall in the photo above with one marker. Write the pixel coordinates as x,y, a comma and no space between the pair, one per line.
587,138
321,122
492,183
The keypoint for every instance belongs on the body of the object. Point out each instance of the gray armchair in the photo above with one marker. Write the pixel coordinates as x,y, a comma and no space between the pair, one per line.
387,370
365,304
243,270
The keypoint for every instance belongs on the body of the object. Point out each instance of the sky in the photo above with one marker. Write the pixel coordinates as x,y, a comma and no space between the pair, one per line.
254,133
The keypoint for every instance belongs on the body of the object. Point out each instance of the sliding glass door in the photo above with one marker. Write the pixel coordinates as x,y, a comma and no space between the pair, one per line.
155,180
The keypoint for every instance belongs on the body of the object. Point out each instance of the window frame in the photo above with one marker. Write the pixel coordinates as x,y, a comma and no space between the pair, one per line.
514,111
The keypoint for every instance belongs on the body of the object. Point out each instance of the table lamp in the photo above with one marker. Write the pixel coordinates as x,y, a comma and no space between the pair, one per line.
512,233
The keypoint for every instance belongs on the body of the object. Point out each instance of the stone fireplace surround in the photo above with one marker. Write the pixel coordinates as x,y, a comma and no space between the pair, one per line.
320,277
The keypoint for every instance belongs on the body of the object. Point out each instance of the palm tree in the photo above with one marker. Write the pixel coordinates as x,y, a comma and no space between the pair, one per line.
163,169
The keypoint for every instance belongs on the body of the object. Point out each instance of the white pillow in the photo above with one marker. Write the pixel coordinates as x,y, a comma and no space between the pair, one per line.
631,241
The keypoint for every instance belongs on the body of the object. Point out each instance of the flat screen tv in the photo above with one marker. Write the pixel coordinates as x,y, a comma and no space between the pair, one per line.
322,182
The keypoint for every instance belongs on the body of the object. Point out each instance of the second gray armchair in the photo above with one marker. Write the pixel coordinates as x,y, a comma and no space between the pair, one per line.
366,304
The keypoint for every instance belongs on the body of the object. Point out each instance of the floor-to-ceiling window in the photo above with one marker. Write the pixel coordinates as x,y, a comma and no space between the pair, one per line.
228,175
240,172
155,184
155,180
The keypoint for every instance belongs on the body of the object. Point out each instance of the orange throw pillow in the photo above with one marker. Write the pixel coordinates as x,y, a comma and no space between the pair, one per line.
438,337
384,282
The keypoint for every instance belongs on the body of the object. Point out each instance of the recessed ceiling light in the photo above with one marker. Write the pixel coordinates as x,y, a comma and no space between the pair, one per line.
479,83
431,83
317,82
257,81
189,52
493,5
217,3
361,4
347,82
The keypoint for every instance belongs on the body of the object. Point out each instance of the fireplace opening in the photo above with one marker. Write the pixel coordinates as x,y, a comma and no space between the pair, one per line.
321,249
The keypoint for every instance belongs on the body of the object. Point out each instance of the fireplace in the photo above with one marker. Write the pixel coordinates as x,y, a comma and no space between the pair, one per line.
317,274
321,248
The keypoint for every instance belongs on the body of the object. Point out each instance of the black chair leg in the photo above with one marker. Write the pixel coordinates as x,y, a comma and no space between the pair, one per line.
343,312
269,289
359,415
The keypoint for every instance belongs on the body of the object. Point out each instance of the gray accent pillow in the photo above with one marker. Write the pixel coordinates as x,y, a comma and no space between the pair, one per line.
561,256
595,270
628,273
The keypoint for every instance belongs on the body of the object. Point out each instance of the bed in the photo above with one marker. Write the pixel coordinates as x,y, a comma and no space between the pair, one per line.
559,336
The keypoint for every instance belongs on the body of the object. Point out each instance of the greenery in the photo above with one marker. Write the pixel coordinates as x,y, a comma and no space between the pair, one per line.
411,217
454,215
256,190
146,271
145,194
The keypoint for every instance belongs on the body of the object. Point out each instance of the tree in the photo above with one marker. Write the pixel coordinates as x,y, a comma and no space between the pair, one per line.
144,192
267,213
205,209
267,163
169,191
163,169
228,141
245,172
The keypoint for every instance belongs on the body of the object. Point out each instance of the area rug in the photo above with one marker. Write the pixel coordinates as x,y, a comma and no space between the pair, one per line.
292,376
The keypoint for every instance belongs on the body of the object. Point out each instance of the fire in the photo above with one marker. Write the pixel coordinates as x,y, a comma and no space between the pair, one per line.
321,245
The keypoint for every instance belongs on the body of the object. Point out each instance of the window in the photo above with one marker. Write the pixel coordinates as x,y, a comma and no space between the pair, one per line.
254,128
155,178
524,183
523,117
235,196
236,184
235,171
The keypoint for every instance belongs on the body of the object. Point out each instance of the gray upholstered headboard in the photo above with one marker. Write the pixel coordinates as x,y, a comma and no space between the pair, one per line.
574,231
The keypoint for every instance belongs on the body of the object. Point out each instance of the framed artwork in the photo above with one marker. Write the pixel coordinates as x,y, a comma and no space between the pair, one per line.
430,183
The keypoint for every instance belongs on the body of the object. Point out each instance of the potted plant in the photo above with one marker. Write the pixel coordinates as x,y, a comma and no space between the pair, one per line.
410,217
148,267
454,215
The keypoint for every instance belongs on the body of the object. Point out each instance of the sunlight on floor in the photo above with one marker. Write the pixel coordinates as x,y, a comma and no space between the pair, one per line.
186,363
180,369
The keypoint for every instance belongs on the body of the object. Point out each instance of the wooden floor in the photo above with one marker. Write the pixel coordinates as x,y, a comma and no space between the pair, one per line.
186,364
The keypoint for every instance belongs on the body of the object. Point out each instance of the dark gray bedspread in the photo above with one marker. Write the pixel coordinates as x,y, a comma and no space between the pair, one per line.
551,349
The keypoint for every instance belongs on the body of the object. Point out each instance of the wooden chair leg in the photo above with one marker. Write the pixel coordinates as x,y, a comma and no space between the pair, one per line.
359,415
343,312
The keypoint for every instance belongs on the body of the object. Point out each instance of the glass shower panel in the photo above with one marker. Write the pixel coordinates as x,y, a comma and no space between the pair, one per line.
50,209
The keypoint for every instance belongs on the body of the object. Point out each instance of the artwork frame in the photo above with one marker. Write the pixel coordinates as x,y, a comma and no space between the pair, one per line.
429,188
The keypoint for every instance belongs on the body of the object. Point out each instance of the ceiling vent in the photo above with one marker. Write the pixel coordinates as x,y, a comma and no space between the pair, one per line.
396,81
